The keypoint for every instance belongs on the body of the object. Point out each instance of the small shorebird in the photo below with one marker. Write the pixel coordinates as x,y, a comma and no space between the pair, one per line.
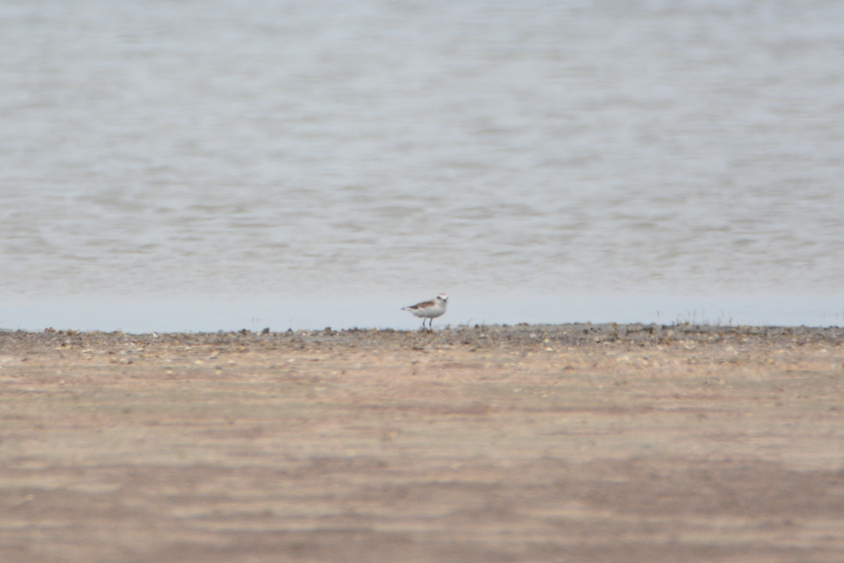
429,309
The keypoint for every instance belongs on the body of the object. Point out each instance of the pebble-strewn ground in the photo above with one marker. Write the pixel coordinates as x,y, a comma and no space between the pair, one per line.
524,443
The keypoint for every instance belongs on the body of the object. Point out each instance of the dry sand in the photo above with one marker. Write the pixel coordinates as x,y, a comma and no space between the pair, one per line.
527,443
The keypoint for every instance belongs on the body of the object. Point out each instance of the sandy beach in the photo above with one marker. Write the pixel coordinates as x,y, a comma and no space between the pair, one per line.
634,443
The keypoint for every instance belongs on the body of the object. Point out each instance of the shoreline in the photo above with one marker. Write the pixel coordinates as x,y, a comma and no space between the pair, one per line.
314,312
556,328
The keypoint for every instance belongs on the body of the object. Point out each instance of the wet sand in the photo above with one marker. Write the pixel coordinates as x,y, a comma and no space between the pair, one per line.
478,444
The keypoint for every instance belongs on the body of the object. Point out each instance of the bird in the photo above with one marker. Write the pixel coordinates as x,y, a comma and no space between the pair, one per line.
429,309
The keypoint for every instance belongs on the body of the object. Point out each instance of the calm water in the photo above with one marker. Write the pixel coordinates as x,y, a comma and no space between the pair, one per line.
225,164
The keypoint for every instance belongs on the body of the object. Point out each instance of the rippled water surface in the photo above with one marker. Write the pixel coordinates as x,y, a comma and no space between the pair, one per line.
202,165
